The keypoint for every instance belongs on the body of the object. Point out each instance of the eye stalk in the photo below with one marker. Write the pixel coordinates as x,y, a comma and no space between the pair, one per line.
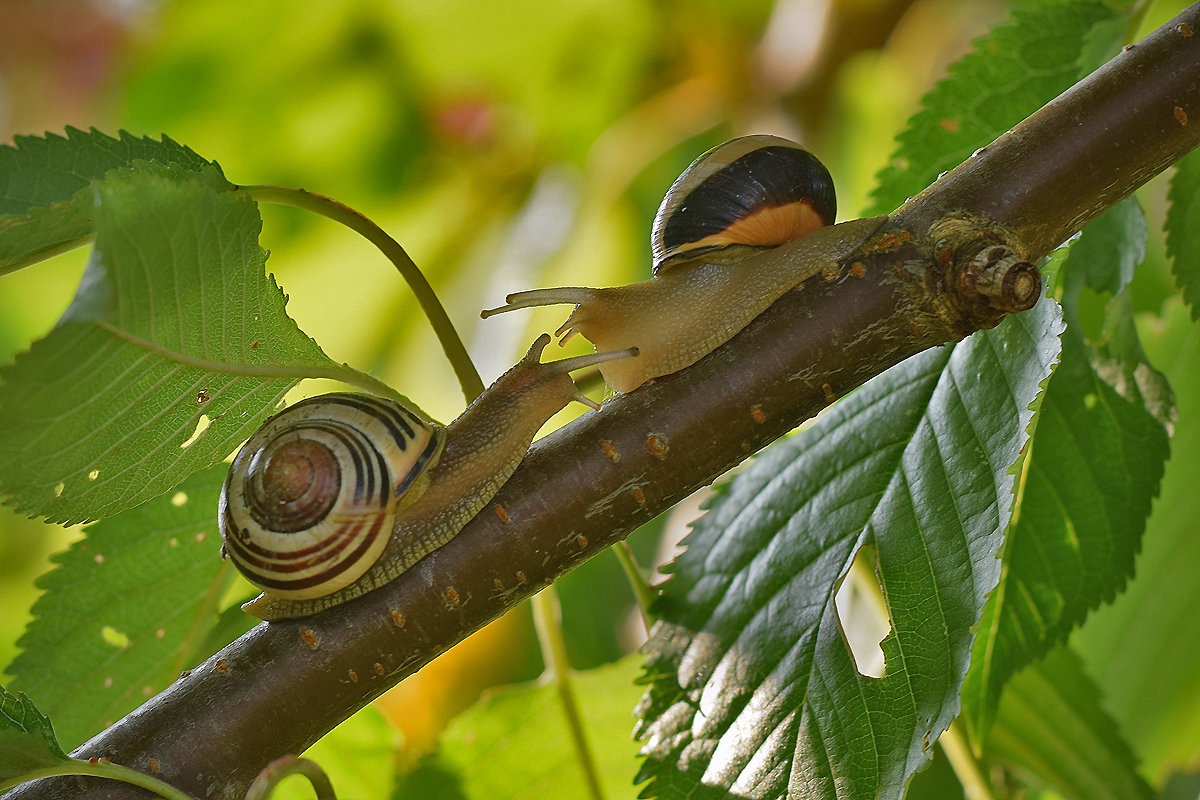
711,277
339,494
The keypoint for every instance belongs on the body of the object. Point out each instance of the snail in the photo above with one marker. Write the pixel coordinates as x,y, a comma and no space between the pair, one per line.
711,276
338,494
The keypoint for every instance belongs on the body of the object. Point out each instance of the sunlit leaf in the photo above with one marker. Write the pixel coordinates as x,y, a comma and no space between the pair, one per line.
515,743
46,201
175,348
125,609
752,689
1010,73
1052,725
27,739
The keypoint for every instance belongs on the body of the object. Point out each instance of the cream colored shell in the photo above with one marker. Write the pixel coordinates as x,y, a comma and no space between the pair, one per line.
311,498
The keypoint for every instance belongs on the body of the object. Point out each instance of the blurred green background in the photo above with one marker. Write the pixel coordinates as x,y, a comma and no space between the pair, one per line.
507,145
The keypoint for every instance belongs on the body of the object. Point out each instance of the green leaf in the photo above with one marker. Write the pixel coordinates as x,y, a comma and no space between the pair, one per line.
125,610
1109,249
1093,467
176,347
1183,234
1051,724
752,688
1010,73
515,743
26,737
1143,649
46,202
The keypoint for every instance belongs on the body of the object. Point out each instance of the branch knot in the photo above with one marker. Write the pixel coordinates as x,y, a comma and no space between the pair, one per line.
985,264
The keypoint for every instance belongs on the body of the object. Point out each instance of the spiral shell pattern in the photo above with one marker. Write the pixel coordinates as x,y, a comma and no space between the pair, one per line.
310,499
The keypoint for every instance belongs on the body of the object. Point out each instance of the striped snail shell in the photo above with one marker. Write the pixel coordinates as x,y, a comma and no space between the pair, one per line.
310,500
711,275
339,494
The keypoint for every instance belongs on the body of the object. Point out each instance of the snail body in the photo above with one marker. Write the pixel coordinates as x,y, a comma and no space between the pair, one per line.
339,494
712,275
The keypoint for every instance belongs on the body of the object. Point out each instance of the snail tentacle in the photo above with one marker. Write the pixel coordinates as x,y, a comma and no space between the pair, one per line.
711,276
398,488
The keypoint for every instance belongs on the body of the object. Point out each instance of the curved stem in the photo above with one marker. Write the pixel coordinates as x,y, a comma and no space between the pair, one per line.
101,769
547,620
452,344
264,785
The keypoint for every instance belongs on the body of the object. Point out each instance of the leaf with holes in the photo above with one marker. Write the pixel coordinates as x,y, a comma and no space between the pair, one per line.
27,739
46,198
752,689
176,347
125,609
1010,73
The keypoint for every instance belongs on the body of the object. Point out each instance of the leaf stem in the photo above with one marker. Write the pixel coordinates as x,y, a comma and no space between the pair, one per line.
547,620
642,590
284,767
452,344
100,769
43,255
962,761
338,372
202,620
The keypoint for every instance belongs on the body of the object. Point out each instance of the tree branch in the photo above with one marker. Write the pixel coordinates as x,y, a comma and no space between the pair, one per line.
953,260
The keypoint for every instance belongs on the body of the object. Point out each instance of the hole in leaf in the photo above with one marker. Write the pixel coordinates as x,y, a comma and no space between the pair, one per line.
862,614
114,637
179,499
201,426
93,475
59,488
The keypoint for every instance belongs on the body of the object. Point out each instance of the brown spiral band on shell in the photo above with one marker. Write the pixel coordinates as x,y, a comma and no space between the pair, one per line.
310,500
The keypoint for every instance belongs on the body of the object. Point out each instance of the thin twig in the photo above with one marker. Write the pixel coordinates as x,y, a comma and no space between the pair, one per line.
547,620
452,344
